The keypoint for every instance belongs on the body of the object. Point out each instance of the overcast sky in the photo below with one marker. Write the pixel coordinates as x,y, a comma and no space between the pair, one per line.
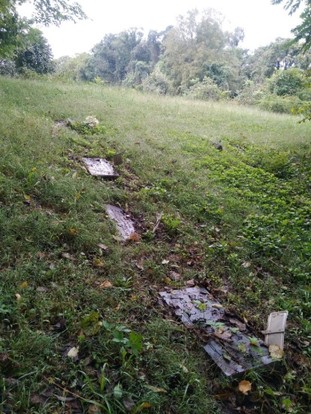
261,21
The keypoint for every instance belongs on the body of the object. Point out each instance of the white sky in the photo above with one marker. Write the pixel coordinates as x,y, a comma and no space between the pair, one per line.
261,21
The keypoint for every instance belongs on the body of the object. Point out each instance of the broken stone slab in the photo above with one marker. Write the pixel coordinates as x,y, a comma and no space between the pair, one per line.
99,167
231,344
124,224
275,332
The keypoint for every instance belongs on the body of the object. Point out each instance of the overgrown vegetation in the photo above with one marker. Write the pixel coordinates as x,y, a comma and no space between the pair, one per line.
196,58
81,326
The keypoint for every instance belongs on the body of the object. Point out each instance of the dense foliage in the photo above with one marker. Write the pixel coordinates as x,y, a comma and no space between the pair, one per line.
13,27
303,31
197,58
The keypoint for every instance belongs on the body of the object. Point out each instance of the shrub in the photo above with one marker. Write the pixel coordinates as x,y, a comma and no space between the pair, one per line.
287,82
282,105
207,90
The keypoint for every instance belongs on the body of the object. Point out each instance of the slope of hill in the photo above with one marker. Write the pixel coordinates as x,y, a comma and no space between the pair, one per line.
82,330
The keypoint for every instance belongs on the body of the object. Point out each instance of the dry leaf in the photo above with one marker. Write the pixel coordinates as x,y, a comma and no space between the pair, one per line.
140,266
67,256
93,409
190,283
276,352
103,247
106,284
237,323
18,297
217,306
73,352
224,335
24,285
245,387
98,262
134,237
174,276
72,231
165,262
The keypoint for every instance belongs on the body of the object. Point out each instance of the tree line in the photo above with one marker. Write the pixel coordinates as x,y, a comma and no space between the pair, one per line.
195,58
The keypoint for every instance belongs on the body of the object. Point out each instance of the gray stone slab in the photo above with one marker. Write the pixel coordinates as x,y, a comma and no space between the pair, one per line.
99,167
231,345
124,224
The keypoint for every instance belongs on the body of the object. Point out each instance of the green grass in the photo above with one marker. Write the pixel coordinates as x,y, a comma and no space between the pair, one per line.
237,221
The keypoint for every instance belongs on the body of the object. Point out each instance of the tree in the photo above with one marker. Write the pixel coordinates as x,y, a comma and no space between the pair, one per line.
111,57
36,54
12,27
198,48
73,68
303,31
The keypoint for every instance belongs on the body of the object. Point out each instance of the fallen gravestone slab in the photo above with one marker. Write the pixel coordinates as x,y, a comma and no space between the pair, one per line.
125,225
230,343
99,167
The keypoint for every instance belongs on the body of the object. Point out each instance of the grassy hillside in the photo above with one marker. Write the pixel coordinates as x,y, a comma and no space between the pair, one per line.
236,221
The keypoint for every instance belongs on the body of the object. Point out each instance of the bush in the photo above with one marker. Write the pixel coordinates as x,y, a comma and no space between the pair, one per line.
157,82
250,94
287,82
282,105
207,90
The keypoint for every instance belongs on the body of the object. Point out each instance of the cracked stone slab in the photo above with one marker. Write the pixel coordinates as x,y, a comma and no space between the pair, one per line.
124,224
99,167
230,344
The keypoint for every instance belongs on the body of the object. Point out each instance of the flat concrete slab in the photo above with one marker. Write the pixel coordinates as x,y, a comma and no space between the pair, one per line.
99,167
230,343
124,224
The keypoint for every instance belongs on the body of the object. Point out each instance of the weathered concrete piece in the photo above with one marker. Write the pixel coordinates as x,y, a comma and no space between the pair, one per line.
231,345
99,167
124,224
276,329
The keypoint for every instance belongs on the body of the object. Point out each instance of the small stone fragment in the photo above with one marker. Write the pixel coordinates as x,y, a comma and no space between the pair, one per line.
124,224
99,167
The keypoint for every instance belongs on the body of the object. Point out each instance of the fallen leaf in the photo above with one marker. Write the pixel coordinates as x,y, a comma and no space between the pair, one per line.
73,352
190,283
174,276
24,285
165,262
106,284
18,297
134,237
245,387
102,247
93,409
139,266
64,399
224,335
27,200
72,231
141,407
67,256
98,262
217,306
276,352
240,325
